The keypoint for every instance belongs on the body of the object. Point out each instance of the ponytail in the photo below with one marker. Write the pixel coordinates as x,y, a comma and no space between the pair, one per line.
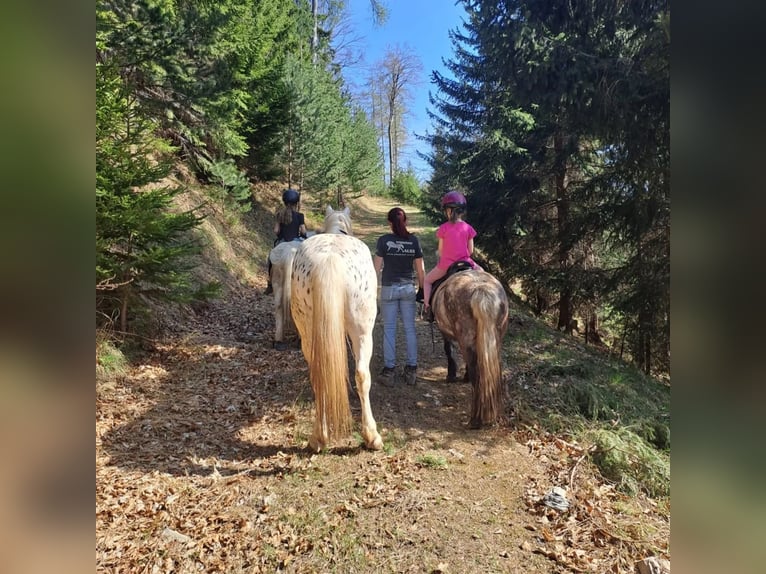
398,220
285,216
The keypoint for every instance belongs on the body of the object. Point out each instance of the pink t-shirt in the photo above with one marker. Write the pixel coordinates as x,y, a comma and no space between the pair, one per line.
454,238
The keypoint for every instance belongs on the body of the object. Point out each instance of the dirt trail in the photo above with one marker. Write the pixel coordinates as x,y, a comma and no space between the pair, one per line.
201,462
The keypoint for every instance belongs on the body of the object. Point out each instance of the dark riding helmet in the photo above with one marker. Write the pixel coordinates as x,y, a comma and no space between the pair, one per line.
290,196
453,199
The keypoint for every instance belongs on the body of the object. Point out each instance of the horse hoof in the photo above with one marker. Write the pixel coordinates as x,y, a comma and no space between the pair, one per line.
451,378
376,444
280,345
474,424
315,445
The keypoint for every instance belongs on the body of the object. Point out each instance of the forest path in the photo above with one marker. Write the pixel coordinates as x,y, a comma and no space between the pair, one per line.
202,465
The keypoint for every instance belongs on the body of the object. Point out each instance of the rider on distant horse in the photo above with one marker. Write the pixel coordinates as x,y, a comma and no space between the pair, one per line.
289,226
455,244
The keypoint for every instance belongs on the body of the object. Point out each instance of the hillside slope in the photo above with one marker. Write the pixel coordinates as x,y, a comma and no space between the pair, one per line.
202,466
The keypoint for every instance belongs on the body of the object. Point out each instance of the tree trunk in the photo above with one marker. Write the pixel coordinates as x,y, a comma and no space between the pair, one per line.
315,37
562,218
390,151
395,146
290,161
591,328
124,310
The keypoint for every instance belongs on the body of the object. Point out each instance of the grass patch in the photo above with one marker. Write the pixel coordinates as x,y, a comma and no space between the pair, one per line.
627,459
569,388
431,461
394,440
110,361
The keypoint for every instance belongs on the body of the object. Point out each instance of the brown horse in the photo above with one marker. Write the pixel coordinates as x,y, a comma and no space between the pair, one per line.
471,309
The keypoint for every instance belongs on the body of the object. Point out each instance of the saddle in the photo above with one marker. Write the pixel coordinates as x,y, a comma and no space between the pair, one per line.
279,240
456,267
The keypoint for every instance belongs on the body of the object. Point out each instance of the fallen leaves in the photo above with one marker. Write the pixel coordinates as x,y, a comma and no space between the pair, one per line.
593,534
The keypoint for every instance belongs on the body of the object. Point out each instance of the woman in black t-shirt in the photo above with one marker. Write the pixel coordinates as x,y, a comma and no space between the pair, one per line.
399,255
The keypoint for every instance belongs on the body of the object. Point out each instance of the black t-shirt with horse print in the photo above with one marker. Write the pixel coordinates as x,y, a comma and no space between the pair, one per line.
398,254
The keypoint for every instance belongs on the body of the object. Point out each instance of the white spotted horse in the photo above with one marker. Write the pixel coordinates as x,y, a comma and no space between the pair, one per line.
281,258
334,297
471,309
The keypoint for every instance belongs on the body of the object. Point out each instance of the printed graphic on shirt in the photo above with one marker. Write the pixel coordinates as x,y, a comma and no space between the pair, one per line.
400,248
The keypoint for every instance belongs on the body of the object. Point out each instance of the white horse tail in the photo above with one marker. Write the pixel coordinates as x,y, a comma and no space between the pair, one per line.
488,393
328,367
287,279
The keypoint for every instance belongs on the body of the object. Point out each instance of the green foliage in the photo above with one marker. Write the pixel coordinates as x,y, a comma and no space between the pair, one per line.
362,160
207,71
142,247
406,188
110,361
626,458
568,388
331,146
234,184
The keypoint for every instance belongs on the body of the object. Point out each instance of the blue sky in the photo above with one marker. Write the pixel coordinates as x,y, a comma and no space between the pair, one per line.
420,25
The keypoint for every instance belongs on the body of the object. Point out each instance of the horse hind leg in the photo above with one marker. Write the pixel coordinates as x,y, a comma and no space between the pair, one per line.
279,320
451,363
279,333
472,375
363,345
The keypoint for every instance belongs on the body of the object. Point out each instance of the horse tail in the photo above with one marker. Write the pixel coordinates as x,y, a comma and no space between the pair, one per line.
488,393
287,288
328,368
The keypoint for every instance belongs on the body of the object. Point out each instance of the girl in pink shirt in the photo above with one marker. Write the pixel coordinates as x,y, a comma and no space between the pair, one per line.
455,243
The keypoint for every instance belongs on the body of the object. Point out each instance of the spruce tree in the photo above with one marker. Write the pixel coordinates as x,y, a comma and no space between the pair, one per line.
143,248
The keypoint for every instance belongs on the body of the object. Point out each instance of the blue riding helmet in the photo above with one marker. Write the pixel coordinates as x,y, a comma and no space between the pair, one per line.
290,196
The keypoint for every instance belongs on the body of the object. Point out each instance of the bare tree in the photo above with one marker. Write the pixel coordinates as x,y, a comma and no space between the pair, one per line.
336,10
400,72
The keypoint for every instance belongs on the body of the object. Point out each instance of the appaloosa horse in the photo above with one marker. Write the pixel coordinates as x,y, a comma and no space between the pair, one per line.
471,309
281,258
334,296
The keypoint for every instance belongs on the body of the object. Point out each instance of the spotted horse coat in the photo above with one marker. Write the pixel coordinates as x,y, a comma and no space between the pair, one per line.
334,296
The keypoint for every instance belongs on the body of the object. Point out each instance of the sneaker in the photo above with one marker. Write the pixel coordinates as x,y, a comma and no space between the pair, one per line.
386,377
269,289
410,374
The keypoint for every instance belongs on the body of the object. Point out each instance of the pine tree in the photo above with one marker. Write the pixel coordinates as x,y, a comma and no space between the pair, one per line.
142,248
